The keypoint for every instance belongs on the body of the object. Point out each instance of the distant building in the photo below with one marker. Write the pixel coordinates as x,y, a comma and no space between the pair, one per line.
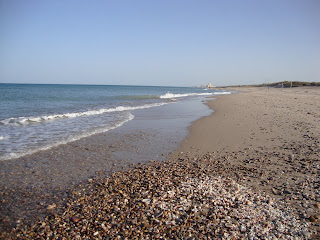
210,86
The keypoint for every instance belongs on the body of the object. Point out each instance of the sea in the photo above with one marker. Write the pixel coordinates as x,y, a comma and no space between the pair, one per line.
35,117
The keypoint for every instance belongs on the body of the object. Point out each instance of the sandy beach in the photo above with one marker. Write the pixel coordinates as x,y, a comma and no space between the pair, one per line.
249,170
270,138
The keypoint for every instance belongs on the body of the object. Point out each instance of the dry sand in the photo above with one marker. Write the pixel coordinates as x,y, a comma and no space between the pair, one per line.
257,143
270,137
257,117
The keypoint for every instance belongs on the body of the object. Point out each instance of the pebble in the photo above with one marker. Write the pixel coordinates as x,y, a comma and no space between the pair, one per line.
52,206
312,219
275,191
176,202
190,197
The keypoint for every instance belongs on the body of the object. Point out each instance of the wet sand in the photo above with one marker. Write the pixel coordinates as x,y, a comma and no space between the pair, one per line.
258,153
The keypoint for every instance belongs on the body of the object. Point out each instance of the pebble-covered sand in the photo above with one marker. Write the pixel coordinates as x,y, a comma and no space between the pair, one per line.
249,171
184,199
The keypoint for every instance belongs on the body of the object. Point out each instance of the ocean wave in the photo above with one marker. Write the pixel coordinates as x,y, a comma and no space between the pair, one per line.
41,119
180,95
68,140
221,93
172,95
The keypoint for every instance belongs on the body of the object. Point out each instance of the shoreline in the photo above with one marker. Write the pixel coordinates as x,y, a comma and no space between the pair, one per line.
273,150
33,182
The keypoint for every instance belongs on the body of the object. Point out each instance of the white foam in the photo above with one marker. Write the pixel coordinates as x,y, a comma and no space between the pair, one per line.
40,119
68,140
4,138
221,93
172,95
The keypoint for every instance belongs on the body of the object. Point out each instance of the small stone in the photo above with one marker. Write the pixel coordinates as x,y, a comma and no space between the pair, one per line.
205,210
52,206
229,225
157,214
312,219
146,201
243,229
75,218
317,205
275,191
287,191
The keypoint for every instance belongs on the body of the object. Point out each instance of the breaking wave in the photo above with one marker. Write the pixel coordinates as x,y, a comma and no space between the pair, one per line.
41,119
221,93
172,95
68,140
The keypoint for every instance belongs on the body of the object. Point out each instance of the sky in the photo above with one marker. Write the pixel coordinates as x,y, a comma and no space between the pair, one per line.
159,43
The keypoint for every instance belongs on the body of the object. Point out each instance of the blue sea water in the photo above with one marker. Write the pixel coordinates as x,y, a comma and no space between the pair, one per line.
35,117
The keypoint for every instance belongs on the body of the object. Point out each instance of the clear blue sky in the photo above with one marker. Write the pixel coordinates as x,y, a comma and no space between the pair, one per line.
164,42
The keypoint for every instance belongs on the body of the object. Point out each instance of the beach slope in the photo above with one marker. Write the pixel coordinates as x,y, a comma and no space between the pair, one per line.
270,139
249,170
